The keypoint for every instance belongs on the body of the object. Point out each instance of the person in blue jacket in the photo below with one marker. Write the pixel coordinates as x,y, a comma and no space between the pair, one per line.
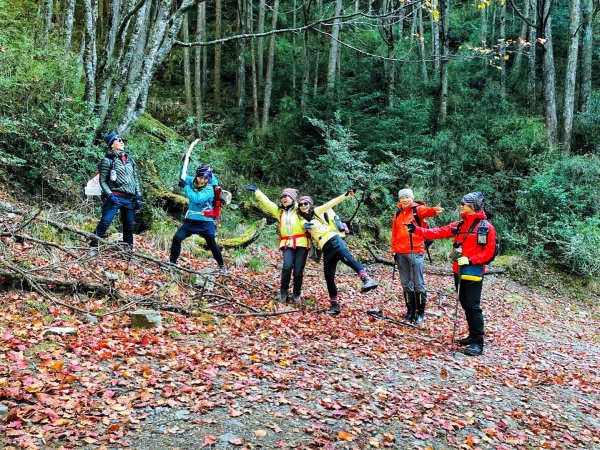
199,216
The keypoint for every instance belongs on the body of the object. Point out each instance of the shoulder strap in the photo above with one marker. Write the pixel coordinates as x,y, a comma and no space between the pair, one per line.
326,217
416,216
397,212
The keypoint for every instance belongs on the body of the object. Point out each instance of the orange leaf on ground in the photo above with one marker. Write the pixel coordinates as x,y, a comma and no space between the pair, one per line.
344,435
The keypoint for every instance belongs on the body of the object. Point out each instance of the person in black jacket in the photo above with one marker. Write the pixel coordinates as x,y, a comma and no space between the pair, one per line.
120,189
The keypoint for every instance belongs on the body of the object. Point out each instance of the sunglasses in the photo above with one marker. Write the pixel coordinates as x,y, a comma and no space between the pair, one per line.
303,204
284,196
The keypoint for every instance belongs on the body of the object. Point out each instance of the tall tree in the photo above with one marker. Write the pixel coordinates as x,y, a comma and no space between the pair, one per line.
241,57
571,74
69,20
502,51
587,50
270,68
253,67
260,49
48,15
522,40
218,53
305,55
199,67
422,57
90,54
187,67
333,49
443,95
549,71
531,57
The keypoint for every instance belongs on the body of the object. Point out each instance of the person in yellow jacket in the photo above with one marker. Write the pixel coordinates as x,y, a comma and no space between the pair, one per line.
293,241
325,238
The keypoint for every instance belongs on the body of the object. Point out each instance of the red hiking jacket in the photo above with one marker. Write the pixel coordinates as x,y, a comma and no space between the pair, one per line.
478,254
400,236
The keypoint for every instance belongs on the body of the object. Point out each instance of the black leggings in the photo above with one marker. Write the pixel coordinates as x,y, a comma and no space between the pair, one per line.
335,250
470,300
186,230
294,260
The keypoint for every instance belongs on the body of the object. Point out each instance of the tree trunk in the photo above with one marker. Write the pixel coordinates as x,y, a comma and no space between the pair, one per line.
484,23
48,13
502,50
549,75
305,57
198,69
261,43
69,19
319,49
241,59
532,58
422,47
294,50
253,67
435,44
587,50
389,66
270,67
160,42
187,67
443,97
202,38
89,56
218,51
333,50
516,68
571,74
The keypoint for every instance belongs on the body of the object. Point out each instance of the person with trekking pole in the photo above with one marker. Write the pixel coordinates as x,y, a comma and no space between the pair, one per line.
121,191
293,242
199,218
474,247
409,252
325,238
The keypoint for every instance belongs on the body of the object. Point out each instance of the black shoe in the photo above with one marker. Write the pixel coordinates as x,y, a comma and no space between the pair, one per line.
334,309
465,341
473,350
420,319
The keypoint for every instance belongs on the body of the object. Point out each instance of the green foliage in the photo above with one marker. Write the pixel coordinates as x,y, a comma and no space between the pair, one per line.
559,211
46,131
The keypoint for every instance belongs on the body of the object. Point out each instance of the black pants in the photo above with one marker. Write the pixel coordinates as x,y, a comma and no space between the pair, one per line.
335,250
294,260
205,229
470,300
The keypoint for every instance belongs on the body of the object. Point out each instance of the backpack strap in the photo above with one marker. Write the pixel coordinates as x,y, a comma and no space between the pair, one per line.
416,216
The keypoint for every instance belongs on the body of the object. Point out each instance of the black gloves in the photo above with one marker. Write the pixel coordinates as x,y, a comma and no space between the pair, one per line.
307,225
250,187
182,183
410,227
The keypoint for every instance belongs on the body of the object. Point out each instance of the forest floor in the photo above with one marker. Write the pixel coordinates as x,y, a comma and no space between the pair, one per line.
295,380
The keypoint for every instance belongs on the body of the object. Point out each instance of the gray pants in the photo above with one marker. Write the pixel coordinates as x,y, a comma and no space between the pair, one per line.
407,272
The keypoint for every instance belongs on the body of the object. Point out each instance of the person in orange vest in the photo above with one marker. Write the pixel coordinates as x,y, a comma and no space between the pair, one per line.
409,252
293,241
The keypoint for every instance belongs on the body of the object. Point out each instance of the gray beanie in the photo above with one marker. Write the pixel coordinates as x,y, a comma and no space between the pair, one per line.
475,199
406,193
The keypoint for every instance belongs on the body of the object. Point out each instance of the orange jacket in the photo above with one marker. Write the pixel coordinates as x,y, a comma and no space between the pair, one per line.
400,235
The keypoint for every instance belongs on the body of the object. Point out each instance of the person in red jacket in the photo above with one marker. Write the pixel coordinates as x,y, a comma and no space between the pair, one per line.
474,245
409,252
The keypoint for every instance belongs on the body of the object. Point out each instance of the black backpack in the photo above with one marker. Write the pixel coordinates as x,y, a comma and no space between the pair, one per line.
481,229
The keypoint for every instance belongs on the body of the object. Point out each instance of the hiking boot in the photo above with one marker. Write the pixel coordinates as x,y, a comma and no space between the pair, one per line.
297,299
421,301
473,349
465,341
411,308
334,309
368,284
223,270
282,297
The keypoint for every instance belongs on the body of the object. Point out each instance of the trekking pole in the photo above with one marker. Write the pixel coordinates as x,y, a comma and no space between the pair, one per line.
394,269
412,271
456,309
